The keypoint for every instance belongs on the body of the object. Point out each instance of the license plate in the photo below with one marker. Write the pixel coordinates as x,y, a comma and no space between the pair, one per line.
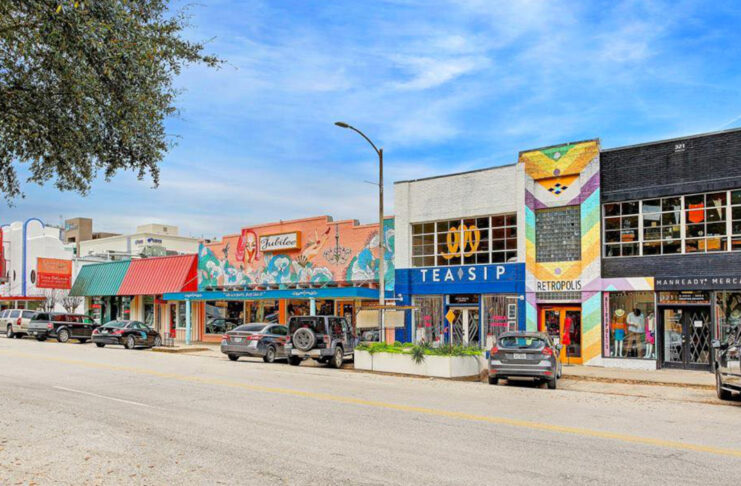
519,356
237,340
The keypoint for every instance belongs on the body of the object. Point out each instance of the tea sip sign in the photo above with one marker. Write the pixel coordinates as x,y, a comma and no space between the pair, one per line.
280,242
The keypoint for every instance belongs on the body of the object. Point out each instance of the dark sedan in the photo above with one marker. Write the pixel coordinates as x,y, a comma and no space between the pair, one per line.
61,326
260,340
525,355
728,365
129,334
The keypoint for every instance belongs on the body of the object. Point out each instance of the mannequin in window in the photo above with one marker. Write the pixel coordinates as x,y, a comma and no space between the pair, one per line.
636,329
618,330
650,336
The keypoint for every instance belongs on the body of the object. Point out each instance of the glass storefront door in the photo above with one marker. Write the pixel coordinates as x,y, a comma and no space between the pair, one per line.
465,326
686,337
563,324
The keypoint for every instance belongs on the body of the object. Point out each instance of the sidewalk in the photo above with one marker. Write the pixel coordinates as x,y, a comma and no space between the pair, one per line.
667,377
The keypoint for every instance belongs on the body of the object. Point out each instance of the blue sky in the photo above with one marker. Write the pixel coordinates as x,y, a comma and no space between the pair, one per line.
443,86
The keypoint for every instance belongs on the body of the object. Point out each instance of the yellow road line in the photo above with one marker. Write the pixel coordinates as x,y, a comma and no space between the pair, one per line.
578,431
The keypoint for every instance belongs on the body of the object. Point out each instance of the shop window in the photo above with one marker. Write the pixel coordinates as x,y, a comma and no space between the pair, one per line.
696,223
148,303
181,322
500,311
470,241
223,316
735,220
630,325
263,311
558,234
727,314
428,319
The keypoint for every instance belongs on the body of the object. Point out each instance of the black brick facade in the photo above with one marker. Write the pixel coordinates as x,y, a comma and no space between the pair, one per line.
688,165
695,265
706,163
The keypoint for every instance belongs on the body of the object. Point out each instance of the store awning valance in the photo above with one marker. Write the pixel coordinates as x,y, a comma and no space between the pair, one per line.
99,279
155,276
297,294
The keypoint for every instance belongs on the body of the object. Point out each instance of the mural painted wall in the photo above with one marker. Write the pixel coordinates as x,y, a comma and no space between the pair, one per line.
316,251
566,176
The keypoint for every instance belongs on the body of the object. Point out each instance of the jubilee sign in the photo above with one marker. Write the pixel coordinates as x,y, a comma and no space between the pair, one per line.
280,242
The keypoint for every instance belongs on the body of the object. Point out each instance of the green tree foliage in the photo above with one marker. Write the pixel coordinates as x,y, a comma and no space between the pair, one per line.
85,87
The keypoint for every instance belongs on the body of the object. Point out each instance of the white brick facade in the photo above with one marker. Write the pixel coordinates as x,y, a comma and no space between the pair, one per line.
485,192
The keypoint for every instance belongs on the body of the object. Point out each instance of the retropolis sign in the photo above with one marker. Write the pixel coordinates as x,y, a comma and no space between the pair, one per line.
280,242
558,285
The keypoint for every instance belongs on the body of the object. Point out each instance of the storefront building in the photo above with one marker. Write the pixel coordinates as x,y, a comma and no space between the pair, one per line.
562,227
671,248
133,289
460,256
270,272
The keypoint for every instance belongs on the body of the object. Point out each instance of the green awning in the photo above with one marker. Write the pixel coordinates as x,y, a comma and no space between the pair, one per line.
98,279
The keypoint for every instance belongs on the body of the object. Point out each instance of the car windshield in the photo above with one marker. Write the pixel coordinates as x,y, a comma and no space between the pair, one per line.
28,314
522,342
116,324
313,323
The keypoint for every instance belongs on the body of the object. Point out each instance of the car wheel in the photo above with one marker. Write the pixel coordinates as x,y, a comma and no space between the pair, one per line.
337,358
100,345
294,360
722,393
493,380
63,336
157,341
9,333
552,383
269,355
82,341
233,357
130,342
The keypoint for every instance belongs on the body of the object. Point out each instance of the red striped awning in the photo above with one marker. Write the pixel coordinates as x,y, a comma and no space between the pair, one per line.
159,275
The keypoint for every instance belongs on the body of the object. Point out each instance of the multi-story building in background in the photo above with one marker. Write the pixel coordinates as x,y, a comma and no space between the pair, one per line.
148,240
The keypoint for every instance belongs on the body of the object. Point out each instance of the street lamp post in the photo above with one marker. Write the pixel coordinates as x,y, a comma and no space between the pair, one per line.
381,234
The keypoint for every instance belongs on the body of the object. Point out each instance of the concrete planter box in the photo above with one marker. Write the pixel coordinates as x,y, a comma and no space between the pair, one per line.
435,366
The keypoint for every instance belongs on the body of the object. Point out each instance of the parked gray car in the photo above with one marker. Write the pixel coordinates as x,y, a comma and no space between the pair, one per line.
525,355
259,339
327,339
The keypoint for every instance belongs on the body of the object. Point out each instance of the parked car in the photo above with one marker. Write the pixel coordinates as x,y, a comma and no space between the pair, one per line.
218,325
728,366
372,336
129,334
327,339
258,339
525,355
61,326
15,322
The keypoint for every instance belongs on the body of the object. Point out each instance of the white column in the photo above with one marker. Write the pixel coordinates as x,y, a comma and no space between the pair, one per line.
312,307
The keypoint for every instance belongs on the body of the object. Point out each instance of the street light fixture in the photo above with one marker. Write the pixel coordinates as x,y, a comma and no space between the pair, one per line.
381,234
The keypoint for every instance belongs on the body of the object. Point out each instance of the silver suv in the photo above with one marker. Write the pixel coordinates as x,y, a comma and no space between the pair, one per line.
327,339
14,322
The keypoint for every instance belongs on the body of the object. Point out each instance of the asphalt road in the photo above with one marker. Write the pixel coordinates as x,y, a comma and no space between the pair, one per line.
75,414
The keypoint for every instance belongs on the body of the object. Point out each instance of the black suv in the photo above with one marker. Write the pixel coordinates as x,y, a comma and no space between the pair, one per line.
327,339
61,326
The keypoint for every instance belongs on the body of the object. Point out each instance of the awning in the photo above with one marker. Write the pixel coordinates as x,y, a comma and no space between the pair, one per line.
306,294
99,279
155,276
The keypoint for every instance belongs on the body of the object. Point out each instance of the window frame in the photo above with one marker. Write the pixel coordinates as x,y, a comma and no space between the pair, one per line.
510,255
726,239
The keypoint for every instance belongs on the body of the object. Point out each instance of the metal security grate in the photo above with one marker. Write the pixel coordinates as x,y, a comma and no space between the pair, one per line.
559,296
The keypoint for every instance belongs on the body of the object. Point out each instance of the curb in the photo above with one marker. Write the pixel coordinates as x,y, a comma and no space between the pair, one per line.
179,350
